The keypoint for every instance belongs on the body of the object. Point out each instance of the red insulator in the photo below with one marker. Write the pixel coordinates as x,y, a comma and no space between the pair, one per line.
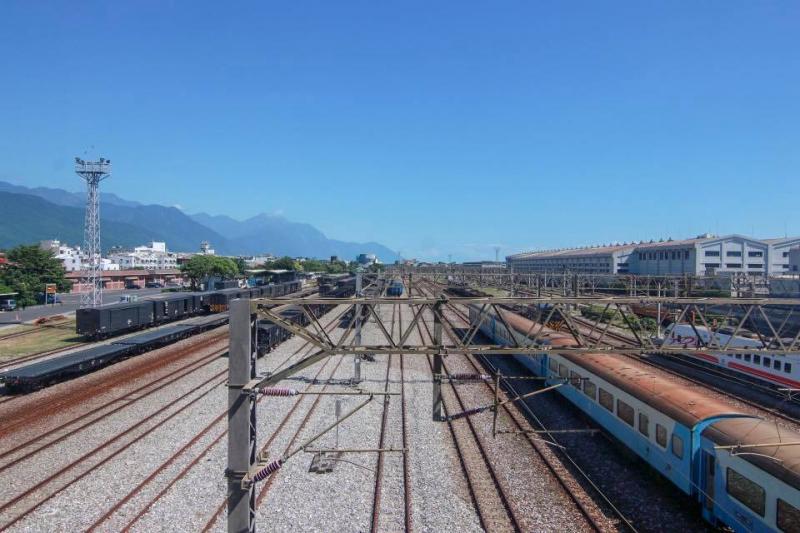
470,377
275,391
268,470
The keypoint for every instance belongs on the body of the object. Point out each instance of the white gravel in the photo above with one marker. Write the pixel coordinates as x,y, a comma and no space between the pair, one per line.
295,498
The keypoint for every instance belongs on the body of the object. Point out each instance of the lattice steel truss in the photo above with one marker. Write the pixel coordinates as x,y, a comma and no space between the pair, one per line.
93,172
773,315
583,284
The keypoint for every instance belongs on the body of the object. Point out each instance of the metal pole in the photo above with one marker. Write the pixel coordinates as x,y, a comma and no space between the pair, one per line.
241,419
357,340
437,366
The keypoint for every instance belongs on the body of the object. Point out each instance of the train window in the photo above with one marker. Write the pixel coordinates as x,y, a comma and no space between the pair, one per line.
776,364
677,446
606,399
738,356
644,425
661,435
787,367
767,361
747,357
757,359
563,371
788,517
750,493
575,379
625,412
589,389
553,364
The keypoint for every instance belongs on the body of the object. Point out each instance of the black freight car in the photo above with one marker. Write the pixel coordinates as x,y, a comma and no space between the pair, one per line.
111,319
42,373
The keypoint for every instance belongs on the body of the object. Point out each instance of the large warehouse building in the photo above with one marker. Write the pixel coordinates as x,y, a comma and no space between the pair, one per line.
702,255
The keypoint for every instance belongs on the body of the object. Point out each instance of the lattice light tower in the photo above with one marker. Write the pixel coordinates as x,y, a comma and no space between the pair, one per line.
93,172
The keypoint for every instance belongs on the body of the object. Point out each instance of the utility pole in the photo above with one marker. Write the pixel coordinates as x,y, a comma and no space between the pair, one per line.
93,172
241,419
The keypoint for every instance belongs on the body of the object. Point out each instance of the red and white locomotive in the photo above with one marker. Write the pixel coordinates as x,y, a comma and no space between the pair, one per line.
777,369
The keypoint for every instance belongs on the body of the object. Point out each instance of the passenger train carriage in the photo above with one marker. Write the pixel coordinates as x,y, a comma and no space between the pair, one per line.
675,430
777,369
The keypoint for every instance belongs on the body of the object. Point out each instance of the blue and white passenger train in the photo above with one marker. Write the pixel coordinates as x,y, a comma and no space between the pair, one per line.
675,430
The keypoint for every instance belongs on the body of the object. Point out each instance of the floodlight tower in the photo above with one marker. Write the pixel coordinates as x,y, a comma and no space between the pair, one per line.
93,172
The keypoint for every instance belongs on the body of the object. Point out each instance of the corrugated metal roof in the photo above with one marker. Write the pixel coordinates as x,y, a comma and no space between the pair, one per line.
573,252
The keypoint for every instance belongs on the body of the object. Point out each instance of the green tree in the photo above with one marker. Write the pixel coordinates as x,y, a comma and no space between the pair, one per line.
29,269
200,267
315,265
285,263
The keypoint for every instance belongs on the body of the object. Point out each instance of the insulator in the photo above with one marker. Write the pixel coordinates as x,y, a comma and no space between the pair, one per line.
470,377
268,470
468,412
276,391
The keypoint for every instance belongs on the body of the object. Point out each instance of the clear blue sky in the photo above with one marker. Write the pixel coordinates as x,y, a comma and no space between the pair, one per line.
433,127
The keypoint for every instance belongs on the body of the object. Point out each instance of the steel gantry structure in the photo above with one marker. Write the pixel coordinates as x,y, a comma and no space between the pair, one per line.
245,468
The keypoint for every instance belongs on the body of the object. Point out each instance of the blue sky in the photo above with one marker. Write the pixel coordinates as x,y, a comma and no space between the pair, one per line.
435,128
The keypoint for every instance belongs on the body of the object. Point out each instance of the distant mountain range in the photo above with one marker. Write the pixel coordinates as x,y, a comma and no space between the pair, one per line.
31,214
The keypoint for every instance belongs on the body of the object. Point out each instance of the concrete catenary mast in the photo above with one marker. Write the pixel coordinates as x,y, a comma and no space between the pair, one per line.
93,172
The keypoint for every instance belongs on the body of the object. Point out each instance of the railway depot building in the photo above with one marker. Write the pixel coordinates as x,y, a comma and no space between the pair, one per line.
612,259
702,255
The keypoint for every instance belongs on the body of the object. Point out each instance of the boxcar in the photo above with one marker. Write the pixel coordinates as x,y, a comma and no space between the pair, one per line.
114,318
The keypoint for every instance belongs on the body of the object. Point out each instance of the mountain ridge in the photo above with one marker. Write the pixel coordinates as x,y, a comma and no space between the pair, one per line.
262,233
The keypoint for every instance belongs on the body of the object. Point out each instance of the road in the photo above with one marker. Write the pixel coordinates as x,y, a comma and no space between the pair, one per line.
70,302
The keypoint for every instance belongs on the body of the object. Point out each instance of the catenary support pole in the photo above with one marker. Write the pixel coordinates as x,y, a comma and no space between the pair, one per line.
241,419
437,365
357,310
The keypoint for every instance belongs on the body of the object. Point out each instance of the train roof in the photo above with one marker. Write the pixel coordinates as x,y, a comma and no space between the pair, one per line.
687,405
783,462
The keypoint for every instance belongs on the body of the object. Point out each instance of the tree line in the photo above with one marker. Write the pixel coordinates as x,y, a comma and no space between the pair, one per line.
28,270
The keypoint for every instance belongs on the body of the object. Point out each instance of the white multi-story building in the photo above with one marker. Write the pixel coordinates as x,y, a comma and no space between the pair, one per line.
152,257
703,255
206,249
69,256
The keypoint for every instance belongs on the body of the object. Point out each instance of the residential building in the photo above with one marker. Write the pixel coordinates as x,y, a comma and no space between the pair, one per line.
69,256
152,257
206,249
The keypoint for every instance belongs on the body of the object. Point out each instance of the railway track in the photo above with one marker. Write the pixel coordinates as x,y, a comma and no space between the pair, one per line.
564,478
82,421
35,328
199,456
492,501
85,392
61,478
713,377
39,355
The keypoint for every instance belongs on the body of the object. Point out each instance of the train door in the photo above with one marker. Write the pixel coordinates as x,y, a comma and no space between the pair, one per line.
708,481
